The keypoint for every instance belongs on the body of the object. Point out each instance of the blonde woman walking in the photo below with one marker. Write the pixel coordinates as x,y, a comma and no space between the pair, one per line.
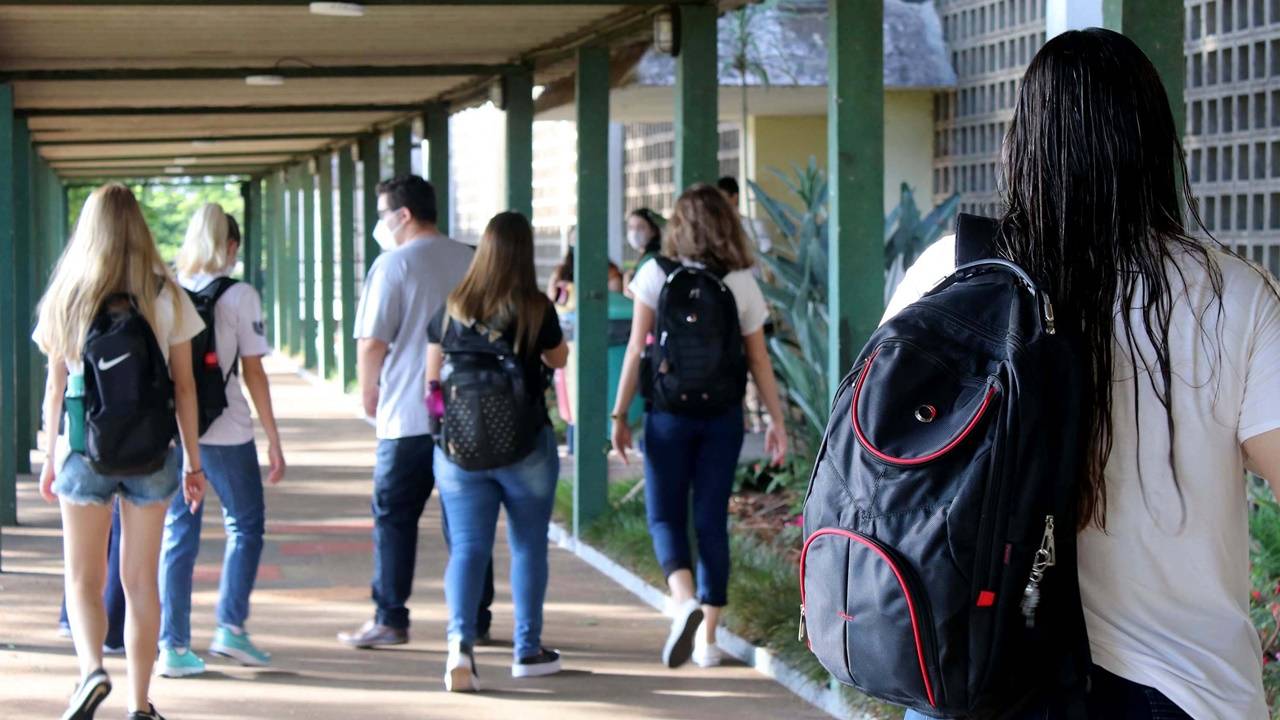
116,329
233,343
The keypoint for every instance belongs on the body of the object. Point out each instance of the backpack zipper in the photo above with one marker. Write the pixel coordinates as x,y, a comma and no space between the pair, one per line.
1046,557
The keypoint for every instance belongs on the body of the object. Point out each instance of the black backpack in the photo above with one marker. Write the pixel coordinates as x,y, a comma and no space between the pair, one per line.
696,365
211,384
128,395
491,419
939,566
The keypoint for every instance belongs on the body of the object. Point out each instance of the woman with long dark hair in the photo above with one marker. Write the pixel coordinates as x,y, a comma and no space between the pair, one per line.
1182,343
498,307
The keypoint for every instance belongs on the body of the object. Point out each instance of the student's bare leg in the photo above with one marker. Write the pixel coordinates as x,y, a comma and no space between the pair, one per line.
86,529
142,528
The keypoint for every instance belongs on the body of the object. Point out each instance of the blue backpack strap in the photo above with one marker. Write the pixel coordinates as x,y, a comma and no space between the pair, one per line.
975,238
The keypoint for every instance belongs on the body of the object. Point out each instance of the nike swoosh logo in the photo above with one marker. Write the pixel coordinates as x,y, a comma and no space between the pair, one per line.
105,365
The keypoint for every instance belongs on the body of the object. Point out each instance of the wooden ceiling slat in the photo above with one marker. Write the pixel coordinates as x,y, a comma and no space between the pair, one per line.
349,93
171,150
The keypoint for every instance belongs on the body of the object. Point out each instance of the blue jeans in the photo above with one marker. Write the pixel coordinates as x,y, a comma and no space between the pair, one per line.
403,478
113,594
527,490
233,473
685,455
1110,697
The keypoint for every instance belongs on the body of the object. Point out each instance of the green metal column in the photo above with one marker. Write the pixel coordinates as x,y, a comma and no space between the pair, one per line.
8,315
591,272
436,126
697,95
402,148
328,354
271,241
309,322
24,246
1157,26
347,271
293,261
248,243
855,163
371,175
518,92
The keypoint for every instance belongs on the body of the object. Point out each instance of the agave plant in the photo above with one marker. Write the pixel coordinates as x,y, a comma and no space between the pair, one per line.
797,291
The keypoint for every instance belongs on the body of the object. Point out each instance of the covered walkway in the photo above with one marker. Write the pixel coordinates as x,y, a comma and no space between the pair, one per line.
314,582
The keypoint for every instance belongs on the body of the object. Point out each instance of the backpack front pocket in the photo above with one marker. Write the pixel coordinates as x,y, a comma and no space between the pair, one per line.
866,618
911,408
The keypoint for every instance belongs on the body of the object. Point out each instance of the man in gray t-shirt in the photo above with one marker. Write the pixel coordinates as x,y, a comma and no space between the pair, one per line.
407,284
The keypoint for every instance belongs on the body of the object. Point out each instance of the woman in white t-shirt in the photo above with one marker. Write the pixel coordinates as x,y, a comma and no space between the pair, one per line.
691,455
227,453
1183,393
112,252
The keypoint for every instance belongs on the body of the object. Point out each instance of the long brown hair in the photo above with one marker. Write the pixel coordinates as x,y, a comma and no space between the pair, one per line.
706,229
112,251
501,285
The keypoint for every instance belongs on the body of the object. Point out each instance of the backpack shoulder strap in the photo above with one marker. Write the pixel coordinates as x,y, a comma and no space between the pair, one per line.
667,264
214,291
975,238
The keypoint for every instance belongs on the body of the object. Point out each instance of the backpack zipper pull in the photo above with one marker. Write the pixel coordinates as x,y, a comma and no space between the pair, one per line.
1046,557
800,635
1050,324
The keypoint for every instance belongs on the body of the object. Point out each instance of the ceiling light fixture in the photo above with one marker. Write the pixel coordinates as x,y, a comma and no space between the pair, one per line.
185,160
666,33
337,9
538,90
264,80
202,143
175,170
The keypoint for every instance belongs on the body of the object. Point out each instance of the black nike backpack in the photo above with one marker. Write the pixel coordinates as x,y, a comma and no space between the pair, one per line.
696,365
939,566
211,384
128,395
491,420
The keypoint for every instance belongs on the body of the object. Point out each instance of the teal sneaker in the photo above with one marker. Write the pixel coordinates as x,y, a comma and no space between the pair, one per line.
229,643
178,662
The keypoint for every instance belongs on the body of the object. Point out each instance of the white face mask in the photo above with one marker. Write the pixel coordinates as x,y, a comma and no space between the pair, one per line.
385,235
637,239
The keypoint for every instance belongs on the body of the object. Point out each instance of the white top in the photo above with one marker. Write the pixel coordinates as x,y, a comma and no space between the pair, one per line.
646,287
169,330
1167,602
238,330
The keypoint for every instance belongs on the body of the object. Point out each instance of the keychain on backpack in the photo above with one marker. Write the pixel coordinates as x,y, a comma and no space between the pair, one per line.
1046,557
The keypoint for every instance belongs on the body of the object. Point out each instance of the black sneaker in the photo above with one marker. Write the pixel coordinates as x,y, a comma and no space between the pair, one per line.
149,714
546,662
88,696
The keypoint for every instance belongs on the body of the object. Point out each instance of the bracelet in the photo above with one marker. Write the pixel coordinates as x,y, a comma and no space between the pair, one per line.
617,416
189,473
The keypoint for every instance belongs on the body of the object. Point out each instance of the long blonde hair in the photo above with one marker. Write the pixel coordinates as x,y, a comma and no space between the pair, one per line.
705,228
501,285
204,249
112,251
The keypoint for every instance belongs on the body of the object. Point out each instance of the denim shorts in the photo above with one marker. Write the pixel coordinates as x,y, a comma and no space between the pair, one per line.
78,483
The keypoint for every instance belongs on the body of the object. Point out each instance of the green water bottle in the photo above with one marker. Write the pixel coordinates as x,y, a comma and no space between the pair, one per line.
75,411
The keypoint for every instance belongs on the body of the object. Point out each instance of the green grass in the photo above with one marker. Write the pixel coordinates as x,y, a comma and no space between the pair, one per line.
764,588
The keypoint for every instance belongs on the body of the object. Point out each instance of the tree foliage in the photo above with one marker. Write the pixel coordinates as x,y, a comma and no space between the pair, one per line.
168,208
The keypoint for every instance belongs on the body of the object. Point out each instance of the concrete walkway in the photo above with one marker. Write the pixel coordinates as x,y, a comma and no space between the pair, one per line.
314,583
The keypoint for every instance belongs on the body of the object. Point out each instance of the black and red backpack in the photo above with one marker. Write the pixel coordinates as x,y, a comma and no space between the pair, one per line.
939,566
211,383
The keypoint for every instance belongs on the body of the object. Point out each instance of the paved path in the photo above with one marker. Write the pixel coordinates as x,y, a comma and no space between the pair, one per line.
314,582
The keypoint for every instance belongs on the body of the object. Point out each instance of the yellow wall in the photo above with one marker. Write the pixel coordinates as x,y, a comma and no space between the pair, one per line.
778,141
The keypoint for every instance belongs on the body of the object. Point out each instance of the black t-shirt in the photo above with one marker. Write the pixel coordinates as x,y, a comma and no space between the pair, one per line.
536,375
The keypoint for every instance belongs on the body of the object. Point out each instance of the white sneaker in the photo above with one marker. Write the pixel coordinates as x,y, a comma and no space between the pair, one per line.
707,655
460,671
686,618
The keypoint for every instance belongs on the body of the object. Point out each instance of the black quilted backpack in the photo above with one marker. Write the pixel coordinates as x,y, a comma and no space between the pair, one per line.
696,365
491,419
939,566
